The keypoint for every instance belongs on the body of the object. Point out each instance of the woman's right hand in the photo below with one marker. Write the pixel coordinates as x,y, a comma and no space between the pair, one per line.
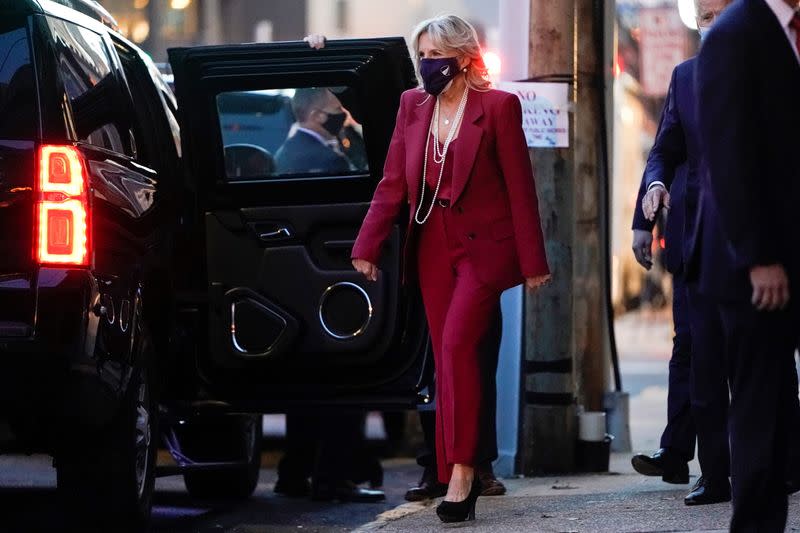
369,270
315,41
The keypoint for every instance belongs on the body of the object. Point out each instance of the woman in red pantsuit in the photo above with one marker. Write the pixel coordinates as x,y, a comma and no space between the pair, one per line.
458,157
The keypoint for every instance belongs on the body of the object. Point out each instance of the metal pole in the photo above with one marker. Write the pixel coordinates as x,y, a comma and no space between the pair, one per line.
211,22
514,39
155,44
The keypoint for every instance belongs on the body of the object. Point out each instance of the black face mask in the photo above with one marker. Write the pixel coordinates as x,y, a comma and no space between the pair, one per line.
437,73
334,123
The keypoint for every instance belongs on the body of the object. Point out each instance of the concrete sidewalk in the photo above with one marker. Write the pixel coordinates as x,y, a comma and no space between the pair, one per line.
621,501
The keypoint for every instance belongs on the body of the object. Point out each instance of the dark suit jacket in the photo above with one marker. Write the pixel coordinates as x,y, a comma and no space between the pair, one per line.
748,83
302,153
673,161
493,194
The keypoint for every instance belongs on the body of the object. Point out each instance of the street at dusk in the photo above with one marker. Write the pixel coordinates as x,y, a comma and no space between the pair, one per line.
399,266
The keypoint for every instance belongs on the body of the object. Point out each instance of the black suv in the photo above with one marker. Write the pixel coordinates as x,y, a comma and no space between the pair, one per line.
160,286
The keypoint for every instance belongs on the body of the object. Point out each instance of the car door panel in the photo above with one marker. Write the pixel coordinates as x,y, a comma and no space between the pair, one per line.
290,322
323,291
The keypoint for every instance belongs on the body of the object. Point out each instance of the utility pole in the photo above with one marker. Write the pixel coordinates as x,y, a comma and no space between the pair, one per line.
155,44
566,341
211,22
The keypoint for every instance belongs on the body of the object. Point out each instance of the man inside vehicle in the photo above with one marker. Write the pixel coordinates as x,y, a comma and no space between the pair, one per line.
313,145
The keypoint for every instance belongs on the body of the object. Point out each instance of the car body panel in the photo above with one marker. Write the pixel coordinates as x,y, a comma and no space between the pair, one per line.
67,333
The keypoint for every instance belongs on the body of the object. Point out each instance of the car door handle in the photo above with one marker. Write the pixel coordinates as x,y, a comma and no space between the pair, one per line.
277,234
339,245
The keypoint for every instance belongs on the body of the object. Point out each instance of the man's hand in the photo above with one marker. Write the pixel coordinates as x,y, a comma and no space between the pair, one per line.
653,200
643,247
369,270
315,41
770,287
536,282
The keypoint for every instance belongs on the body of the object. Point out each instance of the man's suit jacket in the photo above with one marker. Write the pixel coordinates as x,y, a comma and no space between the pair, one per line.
748,83
302,153
673,161
493,196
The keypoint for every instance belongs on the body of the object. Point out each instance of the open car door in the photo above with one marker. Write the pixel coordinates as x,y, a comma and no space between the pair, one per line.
279,195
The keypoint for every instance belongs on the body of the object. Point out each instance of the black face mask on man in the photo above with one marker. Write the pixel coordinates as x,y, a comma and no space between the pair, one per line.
333,124
437,72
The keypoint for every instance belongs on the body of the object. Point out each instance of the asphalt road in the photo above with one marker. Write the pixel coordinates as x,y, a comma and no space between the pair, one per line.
28,503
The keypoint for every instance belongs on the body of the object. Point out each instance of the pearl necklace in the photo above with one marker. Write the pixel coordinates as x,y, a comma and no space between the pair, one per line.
438,156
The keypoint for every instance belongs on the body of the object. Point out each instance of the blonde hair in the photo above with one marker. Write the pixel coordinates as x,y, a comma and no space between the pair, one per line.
451,33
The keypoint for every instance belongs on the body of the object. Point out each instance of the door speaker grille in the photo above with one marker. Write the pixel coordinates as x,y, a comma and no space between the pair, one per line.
255,329
345,310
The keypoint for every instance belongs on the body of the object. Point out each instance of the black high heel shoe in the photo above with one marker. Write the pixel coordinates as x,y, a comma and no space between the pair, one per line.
463,510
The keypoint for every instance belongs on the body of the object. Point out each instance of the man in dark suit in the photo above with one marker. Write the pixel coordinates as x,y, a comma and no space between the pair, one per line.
748,82
671,461
313,145
698,396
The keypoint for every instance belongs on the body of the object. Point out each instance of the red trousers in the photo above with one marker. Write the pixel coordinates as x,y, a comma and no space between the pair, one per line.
460,311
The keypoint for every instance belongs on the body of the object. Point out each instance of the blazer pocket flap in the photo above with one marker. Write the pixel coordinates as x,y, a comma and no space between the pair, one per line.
502,229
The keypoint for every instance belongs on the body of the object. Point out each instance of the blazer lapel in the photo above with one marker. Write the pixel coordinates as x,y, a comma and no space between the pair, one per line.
466,148
416,135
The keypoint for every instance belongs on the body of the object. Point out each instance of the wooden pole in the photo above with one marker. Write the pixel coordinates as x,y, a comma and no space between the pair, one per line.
566,331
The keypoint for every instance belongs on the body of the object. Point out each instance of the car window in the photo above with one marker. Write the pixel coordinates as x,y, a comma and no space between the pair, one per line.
17,86
93,92
287,133
168,102
152,119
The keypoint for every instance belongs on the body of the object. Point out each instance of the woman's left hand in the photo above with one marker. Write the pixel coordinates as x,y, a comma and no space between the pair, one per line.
536,282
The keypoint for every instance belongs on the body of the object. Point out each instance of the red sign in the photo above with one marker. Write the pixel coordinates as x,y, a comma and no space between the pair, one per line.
662,45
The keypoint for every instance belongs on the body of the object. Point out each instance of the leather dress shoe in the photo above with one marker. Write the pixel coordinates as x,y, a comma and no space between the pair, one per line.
490,485
369,471
706,492
345,491
428,488
292,488
664,463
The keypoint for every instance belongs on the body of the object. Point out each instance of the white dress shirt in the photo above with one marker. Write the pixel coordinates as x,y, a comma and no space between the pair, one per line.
784,14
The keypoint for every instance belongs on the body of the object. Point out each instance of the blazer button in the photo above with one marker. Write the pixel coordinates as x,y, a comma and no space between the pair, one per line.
471,236
459,210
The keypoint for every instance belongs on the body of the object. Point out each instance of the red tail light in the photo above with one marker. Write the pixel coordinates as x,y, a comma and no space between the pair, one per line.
62,207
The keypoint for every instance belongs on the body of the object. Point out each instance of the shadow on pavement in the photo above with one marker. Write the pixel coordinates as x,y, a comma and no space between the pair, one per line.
33,506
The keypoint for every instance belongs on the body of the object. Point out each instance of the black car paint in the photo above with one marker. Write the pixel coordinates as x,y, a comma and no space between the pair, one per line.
66,334
73,344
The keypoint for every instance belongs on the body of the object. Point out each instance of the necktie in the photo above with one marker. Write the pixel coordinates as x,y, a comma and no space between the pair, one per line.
795,25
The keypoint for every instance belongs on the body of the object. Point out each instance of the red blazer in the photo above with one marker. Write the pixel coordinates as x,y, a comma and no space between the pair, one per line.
493,191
